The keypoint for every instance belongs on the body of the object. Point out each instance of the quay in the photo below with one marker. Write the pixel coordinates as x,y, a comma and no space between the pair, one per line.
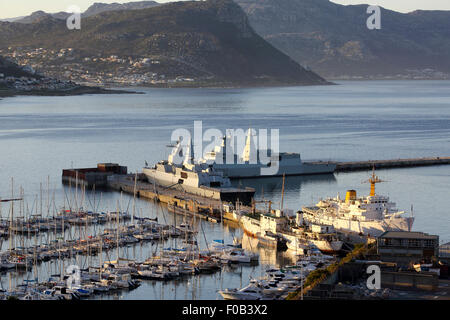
114,177
111,176
388,164
177,201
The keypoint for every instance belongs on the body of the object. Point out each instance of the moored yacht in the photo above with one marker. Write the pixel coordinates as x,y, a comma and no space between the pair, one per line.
253,291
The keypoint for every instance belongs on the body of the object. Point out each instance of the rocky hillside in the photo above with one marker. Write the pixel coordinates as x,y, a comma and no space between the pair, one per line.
334,41
98,7
208,41
93,10
11,69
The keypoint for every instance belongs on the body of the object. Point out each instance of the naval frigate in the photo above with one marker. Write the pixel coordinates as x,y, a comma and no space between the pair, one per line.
195,178
250,164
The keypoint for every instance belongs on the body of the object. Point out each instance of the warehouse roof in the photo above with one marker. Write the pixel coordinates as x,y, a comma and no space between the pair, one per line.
408,235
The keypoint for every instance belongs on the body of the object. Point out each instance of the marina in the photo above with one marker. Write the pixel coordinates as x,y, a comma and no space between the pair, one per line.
138,199
305,233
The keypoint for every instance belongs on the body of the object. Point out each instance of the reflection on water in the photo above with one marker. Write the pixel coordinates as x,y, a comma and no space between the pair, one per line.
271,186
192,287
39,136
268,256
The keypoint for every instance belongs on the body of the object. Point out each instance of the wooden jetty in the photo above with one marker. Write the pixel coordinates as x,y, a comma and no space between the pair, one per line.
387,164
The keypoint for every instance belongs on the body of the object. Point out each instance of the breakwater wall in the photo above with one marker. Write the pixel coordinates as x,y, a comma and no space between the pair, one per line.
395,163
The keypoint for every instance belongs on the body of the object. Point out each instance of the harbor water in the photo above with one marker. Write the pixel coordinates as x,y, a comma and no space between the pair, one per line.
355,120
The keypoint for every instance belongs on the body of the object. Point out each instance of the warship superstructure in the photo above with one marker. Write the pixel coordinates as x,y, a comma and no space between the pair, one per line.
199,179
250,163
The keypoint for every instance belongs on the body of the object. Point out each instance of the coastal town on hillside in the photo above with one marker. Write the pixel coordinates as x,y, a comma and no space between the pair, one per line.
34,84
67,65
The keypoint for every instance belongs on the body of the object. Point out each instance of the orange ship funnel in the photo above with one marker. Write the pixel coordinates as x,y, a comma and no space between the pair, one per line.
351,195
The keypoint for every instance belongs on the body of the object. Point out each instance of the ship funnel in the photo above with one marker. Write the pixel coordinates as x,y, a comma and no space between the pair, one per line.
351,195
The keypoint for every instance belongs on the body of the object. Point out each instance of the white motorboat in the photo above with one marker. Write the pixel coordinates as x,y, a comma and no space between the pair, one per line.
237,256
253,291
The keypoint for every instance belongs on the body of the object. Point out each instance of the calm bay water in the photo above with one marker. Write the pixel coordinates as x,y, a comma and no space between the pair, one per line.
39,136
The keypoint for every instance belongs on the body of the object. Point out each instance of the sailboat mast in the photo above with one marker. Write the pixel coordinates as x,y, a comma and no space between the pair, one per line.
117,232
282,193
48,196
11,216
134,198
101,257
10,228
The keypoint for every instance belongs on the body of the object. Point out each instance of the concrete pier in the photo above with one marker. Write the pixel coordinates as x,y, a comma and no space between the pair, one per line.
175,199
385,164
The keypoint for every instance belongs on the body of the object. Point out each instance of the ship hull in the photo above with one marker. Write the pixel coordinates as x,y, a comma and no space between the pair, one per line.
239,296
297,248
252,228
370,228
267,242
227,194
235,171
328,246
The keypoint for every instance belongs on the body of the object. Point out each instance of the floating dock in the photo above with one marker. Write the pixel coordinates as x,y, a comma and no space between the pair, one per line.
388,164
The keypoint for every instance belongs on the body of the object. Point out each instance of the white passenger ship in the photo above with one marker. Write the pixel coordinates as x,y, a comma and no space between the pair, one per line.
371,215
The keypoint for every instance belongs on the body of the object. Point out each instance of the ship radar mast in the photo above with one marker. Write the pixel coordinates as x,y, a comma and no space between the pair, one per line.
373,180
189,156
249,153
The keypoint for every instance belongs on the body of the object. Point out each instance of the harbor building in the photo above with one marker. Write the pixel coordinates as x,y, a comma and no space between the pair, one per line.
404,247
90,177
444,250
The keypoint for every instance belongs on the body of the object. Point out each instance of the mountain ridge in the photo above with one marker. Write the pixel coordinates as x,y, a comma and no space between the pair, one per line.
334,41
92,10
209,40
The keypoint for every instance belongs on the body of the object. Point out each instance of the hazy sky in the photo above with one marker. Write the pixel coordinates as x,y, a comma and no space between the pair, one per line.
15,8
